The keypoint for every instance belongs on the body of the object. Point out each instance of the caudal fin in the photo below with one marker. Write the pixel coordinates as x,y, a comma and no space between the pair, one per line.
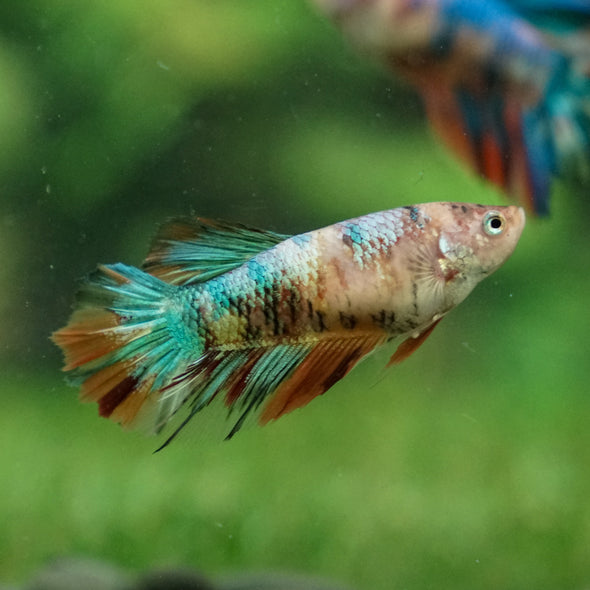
118,346
569,103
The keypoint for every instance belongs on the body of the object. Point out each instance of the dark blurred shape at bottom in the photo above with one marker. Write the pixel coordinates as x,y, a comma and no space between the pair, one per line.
88,574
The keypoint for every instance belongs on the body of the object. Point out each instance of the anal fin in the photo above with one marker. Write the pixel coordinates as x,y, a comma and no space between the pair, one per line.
327,363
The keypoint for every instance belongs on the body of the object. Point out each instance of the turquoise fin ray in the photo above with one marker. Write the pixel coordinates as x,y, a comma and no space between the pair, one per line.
118,345
195,250
242,378
263,384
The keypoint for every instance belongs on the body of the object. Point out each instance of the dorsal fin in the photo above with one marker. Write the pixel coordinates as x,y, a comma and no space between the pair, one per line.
194,250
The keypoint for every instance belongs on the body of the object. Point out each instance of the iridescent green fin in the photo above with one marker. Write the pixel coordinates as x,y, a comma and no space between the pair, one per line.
196,250
118,345
267,382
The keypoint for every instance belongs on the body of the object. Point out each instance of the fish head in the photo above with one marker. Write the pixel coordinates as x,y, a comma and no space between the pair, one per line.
471,242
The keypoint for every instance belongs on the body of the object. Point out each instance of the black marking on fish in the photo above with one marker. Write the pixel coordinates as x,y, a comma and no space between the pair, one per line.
267,309
244,310
347,321
415,296
384,319
342,368
240,305
271,309
415,215
318,324
346,239
292,302
414,212
116,396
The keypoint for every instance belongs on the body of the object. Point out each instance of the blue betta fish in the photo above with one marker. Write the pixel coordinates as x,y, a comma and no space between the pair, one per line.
265,323
505,83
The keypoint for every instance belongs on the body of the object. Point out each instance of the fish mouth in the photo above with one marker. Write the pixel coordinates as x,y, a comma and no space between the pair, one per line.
516,218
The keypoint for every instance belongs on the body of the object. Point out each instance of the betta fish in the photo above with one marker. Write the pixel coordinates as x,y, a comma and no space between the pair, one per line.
264,322
505,83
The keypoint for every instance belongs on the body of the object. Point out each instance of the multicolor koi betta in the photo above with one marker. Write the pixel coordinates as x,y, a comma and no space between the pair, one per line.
505,83
266,322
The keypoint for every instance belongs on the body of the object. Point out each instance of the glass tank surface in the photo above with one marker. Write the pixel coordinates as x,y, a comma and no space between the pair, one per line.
465,466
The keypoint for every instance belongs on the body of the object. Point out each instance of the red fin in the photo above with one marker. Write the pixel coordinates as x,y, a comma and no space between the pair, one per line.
447,121
101,383
327,363
90,336
518,182
498,153
494,161
410,345
131,401
237,381
116,396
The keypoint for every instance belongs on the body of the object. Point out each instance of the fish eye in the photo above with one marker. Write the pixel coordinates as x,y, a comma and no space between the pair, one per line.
493,223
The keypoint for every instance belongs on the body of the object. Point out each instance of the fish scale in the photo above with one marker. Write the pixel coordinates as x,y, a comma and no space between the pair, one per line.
266,323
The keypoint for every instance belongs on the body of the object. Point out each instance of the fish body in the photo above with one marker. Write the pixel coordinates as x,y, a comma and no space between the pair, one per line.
506,84
268,322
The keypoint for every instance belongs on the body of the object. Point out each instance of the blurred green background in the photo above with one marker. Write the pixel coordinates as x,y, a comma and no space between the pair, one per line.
466,467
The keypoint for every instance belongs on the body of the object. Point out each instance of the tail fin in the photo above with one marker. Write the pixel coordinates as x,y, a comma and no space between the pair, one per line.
569,103
118,346
520,149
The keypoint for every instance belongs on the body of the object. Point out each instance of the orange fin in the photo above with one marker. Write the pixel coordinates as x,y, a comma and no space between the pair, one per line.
267,382
446,119
87,337
410,345
118,347
488,135
327,363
